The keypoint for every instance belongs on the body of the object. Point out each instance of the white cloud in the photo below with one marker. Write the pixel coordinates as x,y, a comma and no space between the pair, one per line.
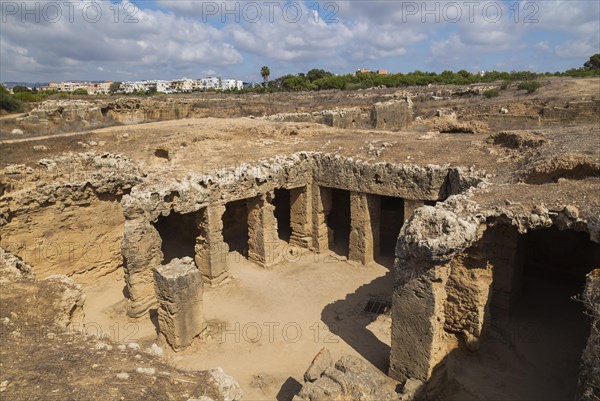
543,45
574,49
188,38
157,43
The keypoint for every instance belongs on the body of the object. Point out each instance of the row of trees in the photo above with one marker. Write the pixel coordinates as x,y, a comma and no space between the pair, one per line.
318,79
301,82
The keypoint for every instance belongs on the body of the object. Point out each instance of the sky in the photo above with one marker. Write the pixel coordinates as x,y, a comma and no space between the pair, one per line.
62,40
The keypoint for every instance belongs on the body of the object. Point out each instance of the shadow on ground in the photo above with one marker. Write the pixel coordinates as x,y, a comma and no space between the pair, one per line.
346,318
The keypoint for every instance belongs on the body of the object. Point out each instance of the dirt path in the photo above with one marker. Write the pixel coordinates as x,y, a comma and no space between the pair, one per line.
11,116
44,137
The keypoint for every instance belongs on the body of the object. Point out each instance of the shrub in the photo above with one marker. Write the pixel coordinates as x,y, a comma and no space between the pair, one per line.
529,86
491,93
8,101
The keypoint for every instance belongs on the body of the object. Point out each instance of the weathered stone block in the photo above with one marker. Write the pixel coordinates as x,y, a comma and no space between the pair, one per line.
179,289
364,227
301,216
318,365
391,115
211,251
321,203
264,246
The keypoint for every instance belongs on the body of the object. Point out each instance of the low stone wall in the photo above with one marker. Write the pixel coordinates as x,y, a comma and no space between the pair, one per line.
390,115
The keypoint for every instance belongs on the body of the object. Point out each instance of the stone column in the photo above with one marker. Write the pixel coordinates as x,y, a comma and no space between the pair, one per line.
418,336
321,206
264,247
410,206
179,289
211,251
364,227
301,217
141,251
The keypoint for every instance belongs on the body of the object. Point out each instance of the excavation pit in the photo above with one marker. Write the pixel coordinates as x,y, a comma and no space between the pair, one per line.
421,203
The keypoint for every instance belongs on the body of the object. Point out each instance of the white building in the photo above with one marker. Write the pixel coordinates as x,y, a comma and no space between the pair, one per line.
230,84
164,86
220,84
184,85
210,83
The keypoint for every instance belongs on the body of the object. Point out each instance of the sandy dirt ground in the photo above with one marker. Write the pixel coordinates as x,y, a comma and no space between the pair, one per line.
265,326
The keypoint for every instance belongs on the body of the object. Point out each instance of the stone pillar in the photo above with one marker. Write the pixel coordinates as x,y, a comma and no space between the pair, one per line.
321,206
141,251
264,247
418,337
301,217
179,289
410,206
211,251
364,227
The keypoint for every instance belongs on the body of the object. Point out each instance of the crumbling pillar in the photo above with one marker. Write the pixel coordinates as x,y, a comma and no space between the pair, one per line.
264,247
301,216
364,227
410,206
321,206
179,288
141,251
210,249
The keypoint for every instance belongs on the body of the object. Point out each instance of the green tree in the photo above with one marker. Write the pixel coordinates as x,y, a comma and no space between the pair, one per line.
529,86
293,83
265,72
151,91
114,87
8,102
80,91
593,63
21,88
315,74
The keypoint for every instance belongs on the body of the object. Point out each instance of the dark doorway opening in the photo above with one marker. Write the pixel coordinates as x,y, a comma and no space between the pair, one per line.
545,329
178,233
391,221
283,206
235,226
338,222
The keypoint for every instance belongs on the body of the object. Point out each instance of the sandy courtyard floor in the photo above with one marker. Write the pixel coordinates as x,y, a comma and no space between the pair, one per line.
265,326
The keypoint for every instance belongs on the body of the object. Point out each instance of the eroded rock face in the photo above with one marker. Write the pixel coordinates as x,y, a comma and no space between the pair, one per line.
59,111
589,376
392,115
445,259
85,246
70,304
